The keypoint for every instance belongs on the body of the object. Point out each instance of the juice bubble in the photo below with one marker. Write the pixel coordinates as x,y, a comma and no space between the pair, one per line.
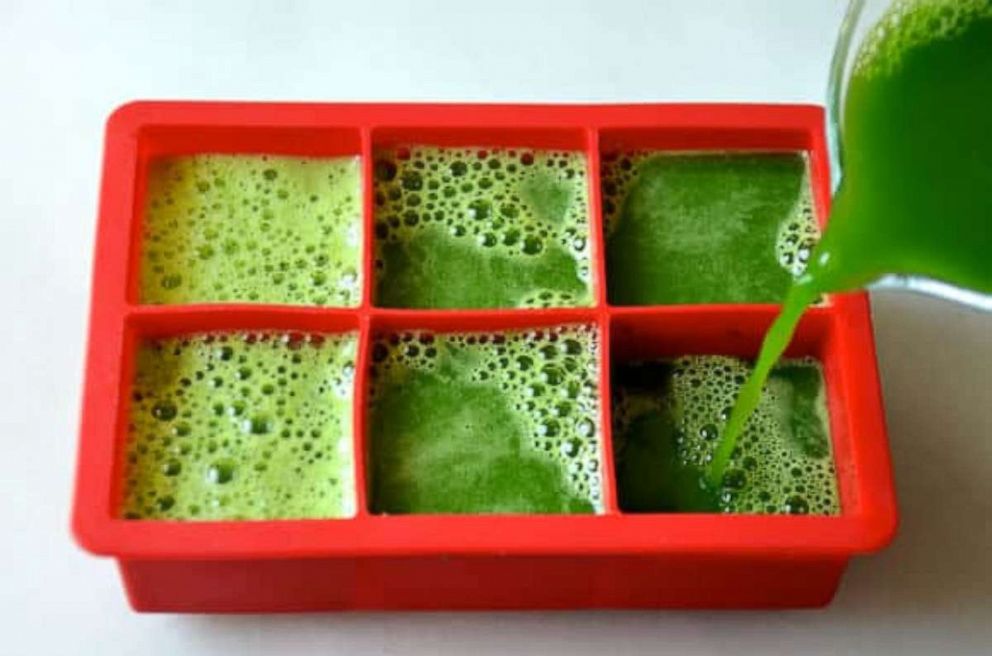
797,235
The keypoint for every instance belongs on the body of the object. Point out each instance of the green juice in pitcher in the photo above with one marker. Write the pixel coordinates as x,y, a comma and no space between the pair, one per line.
916,196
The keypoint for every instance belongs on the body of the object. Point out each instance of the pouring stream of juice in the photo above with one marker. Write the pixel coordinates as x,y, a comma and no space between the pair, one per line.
916,195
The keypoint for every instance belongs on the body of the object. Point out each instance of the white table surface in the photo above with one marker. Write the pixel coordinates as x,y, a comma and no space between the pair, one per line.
63,68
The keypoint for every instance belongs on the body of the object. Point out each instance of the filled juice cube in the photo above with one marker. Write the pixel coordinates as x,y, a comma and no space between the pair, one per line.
486,423
667,419
481,228
241,426
252,228
687,228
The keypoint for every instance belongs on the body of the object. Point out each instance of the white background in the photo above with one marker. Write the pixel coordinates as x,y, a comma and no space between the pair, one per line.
62,70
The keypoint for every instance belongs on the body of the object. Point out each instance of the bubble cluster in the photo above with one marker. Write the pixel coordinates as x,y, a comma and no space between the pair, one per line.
548,378
241,426
797,232
909,24
617,172
525,205
221,228
783,461
797,235
548,298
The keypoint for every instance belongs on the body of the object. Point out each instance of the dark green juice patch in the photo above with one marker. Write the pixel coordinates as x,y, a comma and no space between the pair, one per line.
241,426
471,228
486,423
667,419
705,228
222,228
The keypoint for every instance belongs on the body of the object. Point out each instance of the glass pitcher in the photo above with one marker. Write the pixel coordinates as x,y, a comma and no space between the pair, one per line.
861,18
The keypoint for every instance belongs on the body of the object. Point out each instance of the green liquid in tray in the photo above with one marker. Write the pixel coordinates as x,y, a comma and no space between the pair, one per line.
471,228
705,228
667,418
226,228
486,423
241,426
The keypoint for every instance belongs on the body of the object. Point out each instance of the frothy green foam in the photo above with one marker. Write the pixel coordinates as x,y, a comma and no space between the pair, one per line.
220,228
474,228
486,423
909,24
241,426
706,227
668,417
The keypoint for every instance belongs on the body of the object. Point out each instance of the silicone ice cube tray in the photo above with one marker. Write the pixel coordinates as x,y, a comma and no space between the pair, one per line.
369,561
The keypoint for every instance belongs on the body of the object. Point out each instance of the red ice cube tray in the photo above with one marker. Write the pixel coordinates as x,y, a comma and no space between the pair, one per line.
486,561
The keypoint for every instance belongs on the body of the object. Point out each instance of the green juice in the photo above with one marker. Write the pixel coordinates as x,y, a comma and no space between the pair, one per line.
241,426
667,417
486,423
916,194
471,228
252,228
705,227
